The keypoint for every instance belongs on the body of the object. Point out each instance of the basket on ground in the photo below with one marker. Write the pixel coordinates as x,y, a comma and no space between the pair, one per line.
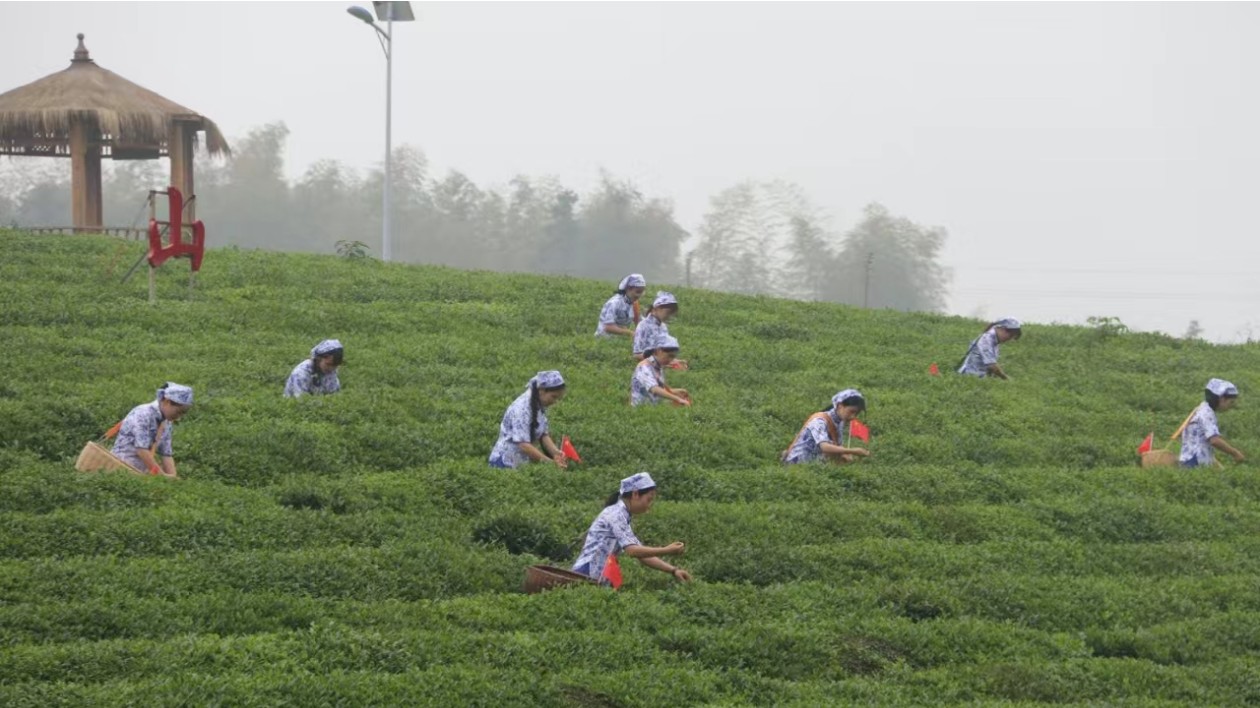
546,577
1159,458
95,458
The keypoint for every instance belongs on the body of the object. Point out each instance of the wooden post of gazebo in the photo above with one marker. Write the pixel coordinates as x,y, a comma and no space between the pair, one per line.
88,113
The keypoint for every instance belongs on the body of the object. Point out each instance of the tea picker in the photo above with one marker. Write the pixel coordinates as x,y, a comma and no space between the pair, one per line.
1201,432
143,441
610,535
525,428
647,385
981,358
655,327
318,374
820,436
620,314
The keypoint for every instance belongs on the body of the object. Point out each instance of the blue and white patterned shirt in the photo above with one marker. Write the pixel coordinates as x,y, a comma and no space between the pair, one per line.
649,332
305,379
514,430
646,375
1196,439
610,534
619,310
808,445
138,431
982,354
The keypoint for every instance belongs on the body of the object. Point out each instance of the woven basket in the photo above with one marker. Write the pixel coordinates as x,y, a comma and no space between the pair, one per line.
95,458
1159,458
545,577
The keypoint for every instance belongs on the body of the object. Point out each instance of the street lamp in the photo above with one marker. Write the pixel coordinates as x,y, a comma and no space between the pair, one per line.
388,12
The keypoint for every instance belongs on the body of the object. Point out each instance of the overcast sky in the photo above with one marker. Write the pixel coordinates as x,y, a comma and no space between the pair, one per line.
1086,158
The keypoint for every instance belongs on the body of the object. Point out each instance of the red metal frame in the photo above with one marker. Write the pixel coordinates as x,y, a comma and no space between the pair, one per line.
177,248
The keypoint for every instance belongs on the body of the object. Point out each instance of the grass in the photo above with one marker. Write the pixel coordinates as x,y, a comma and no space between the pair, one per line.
999,548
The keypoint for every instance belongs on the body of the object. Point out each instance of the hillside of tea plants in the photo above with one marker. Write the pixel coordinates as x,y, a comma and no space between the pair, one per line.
1000,547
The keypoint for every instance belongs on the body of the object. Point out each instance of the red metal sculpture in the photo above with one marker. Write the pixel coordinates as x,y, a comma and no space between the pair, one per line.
175,227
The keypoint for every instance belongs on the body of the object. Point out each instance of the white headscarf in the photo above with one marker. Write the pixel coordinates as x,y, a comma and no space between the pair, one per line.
325,347
847,393
1221,387
547,379
634,280
637,483
176,393
664,298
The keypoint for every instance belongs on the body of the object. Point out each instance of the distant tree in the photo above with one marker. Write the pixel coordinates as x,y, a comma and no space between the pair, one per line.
126,192
246,201
891,262
1193,331
762,237
561,241
45,204
811,262
623,232
326,208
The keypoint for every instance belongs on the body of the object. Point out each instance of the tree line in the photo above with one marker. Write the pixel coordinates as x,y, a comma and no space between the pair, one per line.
756,237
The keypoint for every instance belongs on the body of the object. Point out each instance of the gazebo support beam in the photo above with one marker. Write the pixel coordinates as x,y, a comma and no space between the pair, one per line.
180,148
85,179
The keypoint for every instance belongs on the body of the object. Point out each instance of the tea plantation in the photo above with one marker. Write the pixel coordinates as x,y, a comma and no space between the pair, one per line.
999,548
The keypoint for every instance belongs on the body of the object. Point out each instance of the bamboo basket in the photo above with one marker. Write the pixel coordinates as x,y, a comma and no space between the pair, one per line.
1159,458
95,458
546,577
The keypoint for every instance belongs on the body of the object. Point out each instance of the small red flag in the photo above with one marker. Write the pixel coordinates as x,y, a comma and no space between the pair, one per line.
1146,444
567,449
934,369
858,430
612,572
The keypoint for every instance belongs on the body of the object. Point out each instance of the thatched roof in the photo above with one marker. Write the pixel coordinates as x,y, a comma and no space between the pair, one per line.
35,119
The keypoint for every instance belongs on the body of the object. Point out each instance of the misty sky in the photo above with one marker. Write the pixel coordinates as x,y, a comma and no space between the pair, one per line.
1086,158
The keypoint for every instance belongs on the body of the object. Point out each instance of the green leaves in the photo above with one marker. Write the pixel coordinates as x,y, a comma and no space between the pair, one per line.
1000,546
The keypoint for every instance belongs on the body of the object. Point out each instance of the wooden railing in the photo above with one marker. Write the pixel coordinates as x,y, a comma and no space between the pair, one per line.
127,232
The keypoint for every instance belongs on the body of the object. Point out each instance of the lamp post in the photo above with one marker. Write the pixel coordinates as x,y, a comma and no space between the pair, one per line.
388,12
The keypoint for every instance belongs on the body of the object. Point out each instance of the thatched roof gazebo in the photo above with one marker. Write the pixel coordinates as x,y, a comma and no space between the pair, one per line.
87,113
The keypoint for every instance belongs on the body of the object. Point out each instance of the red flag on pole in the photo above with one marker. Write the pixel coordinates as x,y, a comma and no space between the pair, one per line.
1146,444
612,572
858,430
934,369
567,449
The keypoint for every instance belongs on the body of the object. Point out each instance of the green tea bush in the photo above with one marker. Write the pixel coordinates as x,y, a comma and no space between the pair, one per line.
1000,547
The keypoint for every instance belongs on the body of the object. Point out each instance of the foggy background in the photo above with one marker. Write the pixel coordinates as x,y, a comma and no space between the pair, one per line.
1049,161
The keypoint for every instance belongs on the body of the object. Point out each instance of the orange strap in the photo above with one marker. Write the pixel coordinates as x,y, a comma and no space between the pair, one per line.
635,306
114,430
832,431
157,439
1184,423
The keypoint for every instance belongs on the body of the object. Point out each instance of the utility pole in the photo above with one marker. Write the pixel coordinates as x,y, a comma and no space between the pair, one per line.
866,281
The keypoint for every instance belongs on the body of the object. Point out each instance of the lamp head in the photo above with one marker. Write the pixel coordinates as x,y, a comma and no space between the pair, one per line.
361,13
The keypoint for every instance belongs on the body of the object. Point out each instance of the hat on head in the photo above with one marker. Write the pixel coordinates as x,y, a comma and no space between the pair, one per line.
547,379
848,393
667,342
664,298
176,393
328,346
1007,323
1221,387
637,483
634,280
